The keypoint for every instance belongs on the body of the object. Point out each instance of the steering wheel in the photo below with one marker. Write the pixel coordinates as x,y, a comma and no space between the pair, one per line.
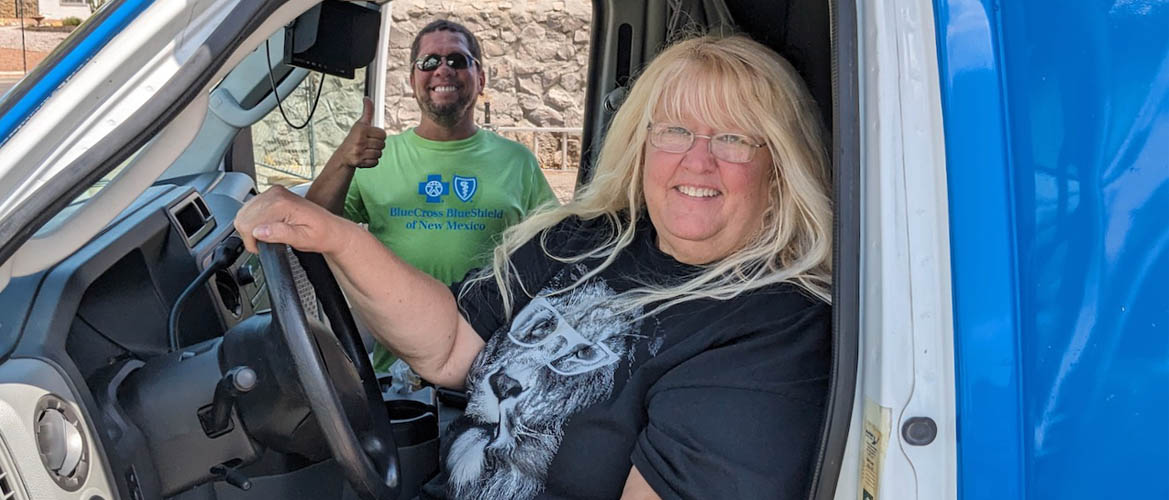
363,443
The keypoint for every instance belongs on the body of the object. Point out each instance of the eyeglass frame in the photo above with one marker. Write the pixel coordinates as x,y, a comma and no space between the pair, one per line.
709,143
563,330
443,60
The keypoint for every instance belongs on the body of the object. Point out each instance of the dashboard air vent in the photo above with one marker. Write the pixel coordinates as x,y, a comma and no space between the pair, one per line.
193,218
61,443
9,484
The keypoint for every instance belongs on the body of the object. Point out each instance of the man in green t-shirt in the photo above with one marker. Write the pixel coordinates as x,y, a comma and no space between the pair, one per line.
441,192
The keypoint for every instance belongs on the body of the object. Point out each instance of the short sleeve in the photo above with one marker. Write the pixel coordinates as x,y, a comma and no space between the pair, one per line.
741,420
538,191
354,204
480,301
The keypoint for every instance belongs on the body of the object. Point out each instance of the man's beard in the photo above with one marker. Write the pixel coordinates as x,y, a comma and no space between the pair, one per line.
445,115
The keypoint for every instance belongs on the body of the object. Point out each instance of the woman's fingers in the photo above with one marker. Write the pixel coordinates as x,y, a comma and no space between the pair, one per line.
278,216
281,232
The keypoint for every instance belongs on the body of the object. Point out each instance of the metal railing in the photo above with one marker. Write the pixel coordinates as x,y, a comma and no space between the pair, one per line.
301,157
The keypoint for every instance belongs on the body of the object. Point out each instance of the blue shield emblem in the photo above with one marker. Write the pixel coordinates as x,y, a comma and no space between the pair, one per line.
465,187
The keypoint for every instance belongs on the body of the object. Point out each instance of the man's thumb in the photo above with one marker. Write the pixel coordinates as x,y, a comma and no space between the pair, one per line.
367,112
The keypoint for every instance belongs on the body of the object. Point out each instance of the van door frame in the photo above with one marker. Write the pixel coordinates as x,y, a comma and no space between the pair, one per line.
607,67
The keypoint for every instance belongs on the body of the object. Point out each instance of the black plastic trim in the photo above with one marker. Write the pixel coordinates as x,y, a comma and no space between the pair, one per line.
589,145
846,257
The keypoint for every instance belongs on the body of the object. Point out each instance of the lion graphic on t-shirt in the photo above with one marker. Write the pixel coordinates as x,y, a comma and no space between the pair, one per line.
556,358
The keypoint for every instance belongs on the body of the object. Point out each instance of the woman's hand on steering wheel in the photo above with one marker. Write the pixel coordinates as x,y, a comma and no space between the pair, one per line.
280,216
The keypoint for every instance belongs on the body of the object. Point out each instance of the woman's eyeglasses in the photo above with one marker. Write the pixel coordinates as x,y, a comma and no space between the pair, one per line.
457,60
732,148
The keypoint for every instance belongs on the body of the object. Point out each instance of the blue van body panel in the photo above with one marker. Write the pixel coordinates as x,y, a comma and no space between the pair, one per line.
983,252
79,52
1057,134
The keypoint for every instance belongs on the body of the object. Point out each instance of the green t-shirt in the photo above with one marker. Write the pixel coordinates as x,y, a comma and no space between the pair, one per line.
440,205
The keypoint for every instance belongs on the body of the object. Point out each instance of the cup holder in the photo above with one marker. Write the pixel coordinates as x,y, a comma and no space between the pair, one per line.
414,419
414,422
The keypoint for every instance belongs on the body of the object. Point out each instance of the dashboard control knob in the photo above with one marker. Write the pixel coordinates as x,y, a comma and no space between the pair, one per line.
244,275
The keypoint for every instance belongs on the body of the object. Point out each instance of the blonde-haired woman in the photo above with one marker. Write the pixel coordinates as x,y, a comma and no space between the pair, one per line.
663,335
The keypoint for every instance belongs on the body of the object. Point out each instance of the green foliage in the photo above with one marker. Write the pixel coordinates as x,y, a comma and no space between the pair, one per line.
71,21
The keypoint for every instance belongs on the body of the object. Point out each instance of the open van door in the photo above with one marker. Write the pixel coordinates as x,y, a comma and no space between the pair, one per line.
819,39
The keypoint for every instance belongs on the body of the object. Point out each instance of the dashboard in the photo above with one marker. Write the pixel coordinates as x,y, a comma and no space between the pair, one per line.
70,336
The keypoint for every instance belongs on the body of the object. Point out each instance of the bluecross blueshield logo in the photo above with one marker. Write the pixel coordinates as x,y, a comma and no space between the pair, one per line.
465,187
433,188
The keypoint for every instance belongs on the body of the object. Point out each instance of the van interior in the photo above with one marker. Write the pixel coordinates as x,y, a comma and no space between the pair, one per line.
161,315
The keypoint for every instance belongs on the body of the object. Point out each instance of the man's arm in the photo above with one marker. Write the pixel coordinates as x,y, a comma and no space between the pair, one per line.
407,310
361,148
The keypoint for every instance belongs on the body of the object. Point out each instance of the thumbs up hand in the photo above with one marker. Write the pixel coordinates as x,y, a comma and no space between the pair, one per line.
363,146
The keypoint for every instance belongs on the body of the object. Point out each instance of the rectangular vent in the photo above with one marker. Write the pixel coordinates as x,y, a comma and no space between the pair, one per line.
194,219
7,484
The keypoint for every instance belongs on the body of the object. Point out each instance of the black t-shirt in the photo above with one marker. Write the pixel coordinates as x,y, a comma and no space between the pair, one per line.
709,399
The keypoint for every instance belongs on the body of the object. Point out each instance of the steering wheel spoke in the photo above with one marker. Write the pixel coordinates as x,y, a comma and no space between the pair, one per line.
333,370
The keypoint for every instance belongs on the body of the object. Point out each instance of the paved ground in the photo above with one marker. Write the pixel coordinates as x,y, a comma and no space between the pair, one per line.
7,81
563,182
37,41
37,44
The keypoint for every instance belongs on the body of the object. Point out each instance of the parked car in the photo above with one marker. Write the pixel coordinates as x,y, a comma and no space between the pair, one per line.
1001,182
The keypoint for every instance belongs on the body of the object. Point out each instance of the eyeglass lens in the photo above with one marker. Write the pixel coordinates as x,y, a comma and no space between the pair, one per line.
430,62
732,148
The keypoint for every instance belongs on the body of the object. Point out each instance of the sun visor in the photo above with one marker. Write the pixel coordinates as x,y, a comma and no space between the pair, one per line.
334,38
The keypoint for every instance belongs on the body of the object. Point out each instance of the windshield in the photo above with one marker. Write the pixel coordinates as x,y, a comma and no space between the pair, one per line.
80,200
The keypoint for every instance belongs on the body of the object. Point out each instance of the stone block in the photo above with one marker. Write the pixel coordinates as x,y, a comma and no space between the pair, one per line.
560,100
531,85
545,117
501,71
493,48
540,50
558,22
571,81
532,32
581,9
492,19
402,34
530,103
503,104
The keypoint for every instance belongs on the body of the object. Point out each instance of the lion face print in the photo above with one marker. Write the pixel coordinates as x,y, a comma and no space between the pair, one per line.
557,357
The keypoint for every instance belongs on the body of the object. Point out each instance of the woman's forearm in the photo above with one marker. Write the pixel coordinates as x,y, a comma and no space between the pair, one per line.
408,311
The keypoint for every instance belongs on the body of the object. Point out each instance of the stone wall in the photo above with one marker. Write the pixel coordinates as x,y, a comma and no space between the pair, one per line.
8,8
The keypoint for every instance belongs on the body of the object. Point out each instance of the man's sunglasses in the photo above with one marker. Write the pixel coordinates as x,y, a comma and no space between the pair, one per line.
430,62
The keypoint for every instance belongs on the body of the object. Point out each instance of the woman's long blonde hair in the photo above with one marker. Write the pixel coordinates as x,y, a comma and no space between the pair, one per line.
729,83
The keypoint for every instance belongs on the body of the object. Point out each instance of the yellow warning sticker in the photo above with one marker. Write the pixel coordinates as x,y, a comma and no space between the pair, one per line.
874,442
